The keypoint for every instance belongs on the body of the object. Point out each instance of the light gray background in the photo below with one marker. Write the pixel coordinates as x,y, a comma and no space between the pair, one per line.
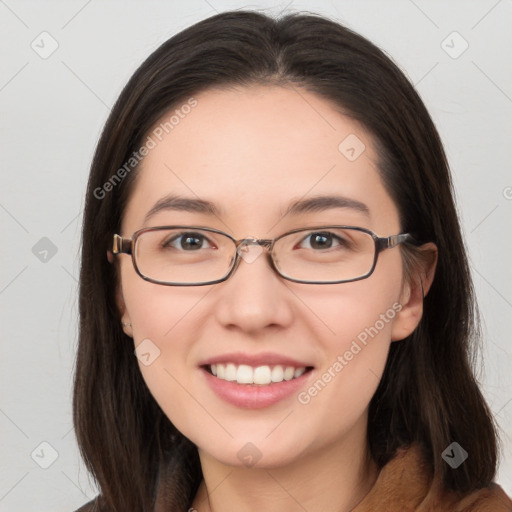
52,111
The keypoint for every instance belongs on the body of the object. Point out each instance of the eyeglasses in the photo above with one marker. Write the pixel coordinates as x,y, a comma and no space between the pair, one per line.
197,256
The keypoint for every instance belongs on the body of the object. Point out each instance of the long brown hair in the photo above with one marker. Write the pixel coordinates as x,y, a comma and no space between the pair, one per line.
428,393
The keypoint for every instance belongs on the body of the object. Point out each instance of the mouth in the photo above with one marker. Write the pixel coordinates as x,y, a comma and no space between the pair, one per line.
257,381
262,375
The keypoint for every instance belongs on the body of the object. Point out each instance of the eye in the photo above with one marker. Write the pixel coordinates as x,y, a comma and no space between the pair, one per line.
323,240
186,241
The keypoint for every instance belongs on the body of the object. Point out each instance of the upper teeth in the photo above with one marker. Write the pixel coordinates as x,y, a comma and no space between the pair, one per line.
245,374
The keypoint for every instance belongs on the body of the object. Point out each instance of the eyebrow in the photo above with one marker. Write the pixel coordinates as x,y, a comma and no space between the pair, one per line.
183,204
322,203
313,204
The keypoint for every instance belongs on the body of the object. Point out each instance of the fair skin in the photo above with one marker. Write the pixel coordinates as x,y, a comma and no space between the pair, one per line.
252,151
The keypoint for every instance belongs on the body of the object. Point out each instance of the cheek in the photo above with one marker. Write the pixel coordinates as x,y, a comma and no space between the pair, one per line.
355,338
155,310
359,311
163,319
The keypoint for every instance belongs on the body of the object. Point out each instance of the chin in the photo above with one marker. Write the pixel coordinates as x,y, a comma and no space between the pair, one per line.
254,451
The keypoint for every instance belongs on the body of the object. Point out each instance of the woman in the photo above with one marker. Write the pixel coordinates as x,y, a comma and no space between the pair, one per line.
276,310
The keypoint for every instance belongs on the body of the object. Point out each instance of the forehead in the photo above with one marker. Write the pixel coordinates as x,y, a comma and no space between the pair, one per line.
253,150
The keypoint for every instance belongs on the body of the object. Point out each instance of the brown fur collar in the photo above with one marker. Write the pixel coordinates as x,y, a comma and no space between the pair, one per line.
404,485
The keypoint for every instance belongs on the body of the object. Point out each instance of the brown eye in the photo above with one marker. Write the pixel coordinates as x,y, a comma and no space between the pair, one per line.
186,241
323,240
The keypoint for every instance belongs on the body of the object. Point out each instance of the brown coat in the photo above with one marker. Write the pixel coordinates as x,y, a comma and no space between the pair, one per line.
404,485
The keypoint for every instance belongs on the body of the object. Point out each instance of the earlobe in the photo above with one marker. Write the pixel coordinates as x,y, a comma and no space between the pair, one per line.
127,326
121,307
125,317
414,292
411,311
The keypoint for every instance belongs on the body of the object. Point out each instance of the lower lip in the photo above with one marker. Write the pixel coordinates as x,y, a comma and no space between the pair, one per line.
254,396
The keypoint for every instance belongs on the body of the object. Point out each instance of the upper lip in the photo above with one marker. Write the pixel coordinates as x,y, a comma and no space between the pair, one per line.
255,360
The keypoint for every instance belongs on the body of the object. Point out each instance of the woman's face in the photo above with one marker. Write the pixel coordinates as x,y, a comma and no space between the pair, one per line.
252,152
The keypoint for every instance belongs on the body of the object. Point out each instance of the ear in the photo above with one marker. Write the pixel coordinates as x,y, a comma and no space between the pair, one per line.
121,307
414,290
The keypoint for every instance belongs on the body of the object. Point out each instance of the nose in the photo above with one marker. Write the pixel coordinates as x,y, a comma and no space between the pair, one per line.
255,296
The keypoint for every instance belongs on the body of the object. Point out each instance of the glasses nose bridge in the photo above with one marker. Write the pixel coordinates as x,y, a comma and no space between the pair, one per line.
246,242
265,242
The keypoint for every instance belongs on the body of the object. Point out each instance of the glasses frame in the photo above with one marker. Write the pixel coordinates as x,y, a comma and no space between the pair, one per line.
126,246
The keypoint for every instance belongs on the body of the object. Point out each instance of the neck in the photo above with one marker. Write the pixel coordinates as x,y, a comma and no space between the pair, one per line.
333,478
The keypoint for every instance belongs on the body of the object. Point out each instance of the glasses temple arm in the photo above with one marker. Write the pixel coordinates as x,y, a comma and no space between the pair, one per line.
121,245
394,240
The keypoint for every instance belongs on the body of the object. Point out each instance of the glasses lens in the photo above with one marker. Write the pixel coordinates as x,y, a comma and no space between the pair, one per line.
184,256
326,255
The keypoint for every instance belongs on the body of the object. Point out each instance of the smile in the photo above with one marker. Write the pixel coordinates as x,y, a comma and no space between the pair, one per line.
260,375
